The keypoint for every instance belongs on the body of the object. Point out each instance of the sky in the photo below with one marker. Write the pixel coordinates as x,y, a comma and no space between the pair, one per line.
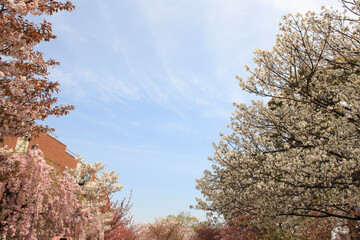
153,84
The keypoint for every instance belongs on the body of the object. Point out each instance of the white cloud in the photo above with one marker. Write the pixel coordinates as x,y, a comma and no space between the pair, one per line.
302,6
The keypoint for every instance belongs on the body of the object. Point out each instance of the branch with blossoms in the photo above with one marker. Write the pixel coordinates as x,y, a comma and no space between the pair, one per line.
97,191
26,93
121,225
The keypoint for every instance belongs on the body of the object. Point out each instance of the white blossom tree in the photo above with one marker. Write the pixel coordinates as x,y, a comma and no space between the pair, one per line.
297,153
98,185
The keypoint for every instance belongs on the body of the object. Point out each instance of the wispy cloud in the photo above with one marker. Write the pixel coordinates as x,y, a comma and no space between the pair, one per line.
190,37
181,55
90,85
301,6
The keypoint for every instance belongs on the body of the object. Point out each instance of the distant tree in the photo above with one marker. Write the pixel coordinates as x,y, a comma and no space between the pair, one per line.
170,228
297,154
207,231
26,93
242,228
185,218
121,225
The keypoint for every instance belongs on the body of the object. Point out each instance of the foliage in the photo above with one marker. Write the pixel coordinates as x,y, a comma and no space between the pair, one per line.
26,93
314,228
121,225
207,231
298,154
241,228
186,219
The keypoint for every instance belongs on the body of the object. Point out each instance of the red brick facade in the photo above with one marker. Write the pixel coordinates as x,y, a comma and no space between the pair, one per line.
54,150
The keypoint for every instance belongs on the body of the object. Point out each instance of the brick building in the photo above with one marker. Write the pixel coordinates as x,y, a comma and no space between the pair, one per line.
55,152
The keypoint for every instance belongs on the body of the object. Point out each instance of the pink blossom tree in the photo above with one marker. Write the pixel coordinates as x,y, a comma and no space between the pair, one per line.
314,228
170,228
207,231
36,201
242,228
26,93
121,225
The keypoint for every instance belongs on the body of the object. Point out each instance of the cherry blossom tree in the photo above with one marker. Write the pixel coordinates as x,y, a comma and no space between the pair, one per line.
186,219
240,229
207,231
37,202
121,225
98,186
297,154
314,228
169,228
26,93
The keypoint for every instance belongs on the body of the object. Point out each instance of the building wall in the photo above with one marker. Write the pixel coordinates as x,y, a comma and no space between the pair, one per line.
54,150
10,142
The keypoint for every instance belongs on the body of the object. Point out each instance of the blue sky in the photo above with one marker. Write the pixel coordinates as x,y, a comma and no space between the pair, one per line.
153,82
